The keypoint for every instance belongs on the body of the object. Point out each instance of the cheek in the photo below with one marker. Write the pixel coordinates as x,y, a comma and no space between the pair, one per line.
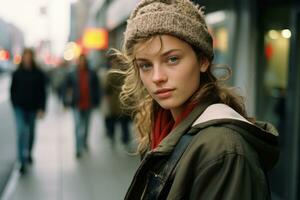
192,78
191,74
144,80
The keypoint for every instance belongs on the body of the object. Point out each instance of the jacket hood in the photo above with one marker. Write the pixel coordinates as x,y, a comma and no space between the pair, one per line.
262,136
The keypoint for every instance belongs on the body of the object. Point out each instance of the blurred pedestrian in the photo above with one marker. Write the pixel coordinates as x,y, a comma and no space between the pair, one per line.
83,94
195,137
58,76
113,113
28,97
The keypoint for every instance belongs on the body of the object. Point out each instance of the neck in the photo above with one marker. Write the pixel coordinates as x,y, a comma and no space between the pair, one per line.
178,110
175,113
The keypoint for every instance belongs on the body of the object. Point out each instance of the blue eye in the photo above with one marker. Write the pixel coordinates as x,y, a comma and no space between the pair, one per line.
144,66
173,59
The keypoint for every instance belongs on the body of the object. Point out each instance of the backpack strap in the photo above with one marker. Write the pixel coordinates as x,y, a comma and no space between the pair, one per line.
156,182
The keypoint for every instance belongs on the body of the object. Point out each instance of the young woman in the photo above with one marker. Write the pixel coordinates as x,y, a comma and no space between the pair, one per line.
195,137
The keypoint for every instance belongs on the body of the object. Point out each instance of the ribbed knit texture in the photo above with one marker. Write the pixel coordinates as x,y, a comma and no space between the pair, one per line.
180,18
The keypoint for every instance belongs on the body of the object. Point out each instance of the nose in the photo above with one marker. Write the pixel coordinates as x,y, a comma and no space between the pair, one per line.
159,75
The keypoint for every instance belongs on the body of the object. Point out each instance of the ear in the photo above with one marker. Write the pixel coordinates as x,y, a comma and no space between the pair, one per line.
204,63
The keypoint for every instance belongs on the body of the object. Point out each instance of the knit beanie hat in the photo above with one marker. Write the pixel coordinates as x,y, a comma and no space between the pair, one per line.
179,18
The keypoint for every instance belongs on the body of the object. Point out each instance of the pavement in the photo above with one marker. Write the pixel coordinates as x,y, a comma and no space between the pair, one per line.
103,172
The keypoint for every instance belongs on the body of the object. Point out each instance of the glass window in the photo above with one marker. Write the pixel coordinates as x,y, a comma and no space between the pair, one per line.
276,47
218,27
272,85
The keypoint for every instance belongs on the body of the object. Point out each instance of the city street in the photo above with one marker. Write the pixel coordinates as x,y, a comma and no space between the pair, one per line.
103,172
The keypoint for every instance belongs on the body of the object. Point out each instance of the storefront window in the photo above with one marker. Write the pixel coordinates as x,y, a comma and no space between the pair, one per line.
275,83
218,26
276,44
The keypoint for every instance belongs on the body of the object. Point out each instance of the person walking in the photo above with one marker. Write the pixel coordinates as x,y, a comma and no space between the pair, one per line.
113,112
83,94
195,137
28,97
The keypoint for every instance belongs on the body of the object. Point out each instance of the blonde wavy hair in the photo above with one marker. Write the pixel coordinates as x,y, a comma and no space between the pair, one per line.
138,102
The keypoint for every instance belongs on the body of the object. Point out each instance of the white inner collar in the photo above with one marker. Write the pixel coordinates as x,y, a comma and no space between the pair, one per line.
219,111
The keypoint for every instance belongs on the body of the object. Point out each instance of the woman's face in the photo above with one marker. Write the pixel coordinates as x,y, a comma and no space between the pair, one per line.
170,71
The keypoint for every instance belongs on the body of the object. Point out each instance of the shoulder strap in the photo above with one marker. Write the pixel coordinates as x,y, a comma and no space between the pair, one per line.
158,182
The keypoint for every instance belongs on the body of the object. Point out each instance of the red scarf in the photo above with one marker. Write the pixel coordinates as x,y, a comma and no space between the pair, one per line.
164,123
84,97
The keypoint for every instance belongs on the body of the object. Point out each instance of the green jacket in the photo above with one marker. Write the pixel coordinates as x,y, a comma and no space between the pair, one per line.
219,162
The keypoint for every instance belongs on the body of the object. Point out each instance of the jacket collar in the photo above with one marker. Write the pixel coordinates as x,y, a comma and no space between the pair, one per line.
219,111
170,141
262,136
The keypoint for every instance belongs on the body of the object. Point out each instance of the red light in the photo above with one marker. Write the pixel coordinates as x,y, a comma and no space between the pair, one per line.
4,55
268,51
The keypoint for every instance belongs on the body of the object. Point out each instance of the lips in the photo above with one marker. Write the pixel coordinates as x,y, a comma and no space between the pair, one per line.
163,93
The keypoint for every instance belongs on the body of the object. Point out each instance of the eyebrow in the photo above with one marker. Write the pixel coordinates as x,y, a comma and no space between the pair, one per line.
170,51
163,54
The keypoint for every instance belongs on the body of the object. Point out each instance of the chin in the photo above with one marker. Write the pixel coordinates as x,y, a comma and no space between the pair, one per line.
168,105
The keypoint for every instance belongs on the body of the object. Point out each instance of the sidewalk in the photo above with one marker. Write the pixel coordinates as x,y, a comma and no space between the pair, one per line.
56,174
